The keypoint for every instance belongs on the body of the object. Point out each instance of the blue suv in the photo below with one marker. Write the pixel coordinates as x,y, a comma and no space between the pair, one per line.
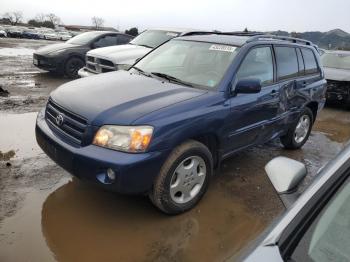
163,126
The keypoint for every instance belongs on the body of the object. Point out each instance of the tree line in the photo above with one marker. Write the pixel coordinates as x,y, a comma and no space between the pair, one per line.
51,20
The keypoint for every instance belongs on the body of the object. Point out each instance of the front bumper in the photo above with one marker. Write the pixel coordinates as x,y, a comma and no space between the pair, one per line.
84,72
48,63
135,173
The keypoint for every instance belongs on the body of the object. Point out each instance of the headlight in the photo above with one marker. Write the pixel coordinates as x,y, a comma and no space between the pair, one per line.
124,138
123,67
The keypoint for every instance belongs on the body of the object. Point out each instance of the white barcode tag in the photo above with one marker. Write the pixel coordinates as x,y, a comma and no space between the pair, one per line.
224,48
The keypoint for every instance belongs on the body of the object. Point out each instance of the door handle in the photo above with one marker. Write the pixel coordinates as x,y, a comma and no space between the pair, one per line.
304,84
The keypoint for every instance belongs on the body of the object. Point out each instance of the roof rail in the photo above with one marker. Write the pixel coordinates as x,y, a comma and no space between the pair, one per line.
197,33
241,33
283,38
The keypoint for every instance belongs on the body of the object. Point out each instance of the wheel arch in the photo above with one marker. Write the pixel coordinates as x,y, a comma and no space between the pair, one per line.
313,106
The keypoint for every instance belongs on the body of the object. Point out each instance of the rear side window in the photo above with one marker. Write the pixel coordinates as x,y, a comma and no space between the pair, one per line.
257,64
310,61
300,62
287,62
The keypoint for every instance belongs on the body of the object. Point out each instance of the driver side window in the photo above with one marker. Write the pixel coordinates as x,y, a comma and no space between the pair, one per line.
258,64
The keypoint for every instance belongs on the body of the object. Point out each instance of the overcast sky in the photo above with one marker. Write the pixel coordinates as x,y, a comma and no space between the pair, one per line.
264,15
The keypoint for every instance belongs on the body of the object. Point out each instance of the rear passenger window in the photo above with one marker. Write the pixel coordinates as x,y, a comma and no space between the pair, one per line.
257,64
287,62
310,61
300,62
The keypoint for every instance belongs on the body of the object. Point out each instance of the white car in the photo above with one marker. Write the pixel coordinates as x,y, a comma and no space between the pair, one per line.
64,36
122,57
3,32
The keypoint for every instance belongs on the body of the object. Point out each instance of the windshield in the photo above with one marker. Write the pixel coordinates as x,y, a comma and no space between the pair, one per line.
197,63
340,61
83,38
153,38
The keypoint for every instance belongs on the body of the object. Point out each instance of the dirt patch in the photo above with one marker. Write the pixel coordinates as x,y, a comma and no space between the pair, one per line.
7,156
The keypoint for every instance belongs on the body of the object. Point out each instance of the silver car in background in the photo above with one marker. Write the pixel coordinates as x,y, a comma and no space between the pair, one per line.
315,227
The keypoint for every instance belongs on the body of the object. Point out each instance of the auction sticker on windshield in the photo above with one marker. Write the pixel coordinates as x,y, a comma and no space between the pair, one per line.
225,48
172,34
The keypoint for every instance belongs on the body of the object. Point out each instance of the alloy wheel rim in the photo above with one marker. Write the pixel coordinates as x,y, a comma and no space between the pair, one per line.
74,67
187,179
302,129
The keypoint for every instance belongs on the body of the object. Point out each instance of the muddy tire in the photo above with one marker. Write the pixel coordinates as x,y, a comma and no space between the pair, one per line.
72,66
183,178
299,132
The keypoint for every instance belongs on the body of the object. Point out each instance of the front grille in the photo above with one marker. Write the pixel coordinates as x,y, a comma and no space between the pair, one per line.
105,62
72,125
90,59
99,65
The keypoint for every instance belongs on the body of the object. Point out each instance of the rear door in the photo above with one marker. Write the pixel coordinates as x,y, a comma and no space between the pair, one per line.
288,76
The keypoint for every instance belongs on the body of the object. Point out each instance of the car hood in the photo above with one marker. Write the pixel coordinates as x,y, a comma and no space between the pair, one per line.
119,97
122,54
53,48
337,74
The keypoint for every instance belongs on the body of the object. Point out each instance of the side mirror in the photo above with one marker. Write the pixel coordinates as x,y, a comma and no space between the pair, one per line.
285,175
248,86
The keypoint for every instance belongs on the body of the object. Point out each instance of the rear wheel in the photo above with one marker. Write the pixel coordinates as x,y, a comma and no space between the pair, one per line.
299,133
72,67
183,179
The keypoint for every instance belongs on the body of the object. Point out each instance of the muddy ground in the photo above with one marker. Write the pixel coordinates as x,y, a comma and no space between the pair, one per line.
46,215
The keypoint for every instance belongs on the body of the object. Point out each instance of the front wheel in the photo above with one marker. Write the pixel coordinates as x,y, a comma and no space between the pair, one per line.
299,133
183,179
72,67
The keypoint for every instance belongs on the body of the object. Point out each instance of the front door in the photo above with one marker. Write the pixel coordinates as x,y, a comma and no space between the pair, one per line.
251,113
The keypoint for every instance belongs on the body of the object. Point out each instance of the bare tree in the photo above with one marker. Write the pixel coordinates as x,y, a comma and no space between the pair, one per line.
40,17
14,17
54,19
97,22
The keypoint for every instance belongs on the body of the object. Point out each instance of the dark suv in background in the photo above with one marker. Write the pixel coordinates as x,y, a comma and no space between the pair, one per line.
337,72
67,58
161,127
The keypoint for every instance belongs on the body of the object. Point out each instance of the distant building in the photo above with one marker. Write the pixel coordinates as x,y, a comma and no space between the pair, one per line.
81,28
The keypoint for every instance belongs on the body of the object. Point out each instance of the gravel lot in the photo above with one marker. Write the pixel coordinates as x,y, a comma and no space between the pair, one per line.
45,214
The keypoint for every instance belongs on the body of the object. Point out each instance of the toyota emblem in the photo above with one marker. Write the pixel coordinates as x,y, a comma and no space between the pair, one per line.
59,119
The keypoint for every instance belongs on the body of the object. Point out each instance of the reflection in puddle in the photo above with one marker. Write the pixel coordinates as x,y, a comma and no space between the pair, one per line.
108,227
82,223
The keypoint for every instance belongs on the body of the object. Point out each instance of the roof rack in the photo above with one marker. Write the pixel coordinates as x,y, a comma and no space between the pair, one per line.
283,38
241,33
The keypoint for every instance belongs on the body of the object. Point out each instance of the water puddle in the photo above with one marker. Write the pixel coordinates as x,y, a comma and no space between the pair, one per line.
18,134
77,222
16,51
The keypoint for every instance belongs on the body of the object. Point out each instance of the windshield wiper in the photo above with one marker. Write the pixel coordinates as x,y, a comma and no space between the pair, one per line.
172,78
141,71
